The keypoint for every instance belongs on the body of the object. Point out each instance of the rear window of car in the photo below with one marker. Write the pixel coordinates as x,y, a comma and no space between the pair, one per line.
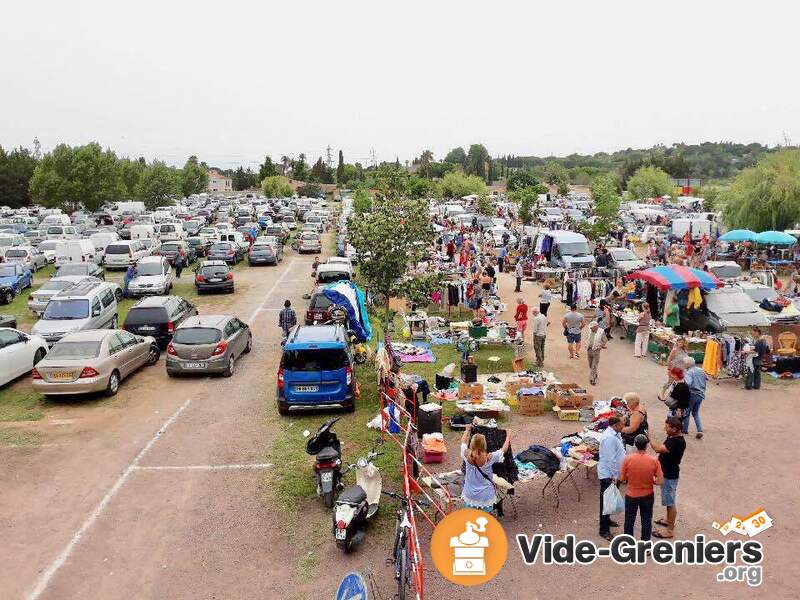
196,336
332,277
74,350
262,248
214,271
221,247
328,359
320,301
153,314
117,249
16,253
72,270
169,247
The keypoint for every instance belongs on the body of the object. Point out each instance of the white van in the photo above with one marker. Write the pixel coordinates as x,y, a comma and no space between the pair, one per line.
122,254
143,231
90,304
103,239
696,228
170,232
56,219
76,251
566,249
61,232
234,237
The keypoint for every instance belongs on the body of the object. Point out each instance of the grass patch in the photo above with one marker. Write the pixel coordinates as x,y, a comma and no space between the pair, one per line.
20,406
16,437
307,566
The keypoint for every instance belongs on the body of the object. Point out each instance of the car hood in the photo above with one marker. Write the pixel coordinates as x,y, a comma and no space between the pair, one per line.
148,279
9,280
43,327
631,264
578,260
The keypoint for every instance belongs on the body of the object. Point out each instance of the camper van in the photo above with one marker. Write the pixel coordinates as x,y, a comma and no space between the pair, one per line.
565,249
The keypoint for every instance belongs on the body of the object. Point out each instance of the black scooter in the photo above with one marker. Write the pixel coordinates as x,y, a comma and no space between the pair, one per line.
325,446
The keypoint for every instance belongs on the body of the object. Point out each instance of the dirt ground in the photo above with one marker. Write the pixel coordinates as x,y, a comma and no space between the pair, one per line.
128,497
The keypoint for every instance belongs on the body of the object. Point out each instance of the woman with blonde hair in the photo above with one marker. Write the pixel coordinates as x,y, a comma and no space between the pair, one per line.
478,491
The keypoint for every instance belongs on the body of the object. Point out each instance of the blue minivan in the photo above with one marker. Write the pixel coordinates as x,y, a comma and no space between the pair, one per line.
316,370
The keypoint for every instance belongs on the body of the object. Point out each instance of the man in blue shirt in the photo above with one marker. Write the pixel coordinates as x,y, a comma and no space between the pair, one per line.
612,453
501,257
696,379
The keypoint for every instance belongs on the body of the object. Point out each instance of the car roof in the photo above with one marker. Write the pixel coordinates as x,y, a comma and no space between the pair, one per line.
151,259
217,321
333,267
83,288
153,301
316,336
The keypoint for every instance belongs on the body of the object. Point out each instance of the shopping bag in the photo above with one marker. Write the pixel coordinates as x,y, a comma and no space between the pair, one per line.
613,502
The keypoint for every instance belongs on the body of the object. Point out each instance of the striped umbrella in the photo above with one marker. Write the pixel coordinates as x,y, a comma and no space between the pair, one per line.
677,277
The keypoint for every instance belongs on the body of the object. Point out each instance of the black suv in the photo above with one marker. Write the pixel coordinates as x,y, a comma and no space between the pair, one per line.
213,276
158,316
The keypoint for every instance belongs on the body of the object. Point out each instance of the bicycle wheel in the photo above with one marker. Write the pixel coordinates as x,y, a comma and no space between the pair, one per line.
402,580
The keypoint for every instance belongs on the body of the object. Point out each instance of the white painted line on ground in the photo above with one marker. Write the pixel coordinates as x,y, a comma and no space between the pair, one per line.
203,467
52,569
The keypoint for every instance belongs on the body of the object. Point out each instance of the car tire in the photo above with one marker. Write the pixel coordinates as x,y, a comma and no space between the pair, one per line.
282,409
8,296
348,408
249,347
113,384
231,368
118,294
40,353
153,355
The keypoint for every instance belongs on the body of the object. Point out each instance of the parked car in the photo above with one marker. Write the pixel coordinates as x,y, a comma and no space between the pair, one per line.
278,231
316,370
225,251
48,248
200,245
654,232
93,361
214,276
209,233
308,242
171,251
13,279
263,254
624,260
153,276
158,316
208,344
27,256
19,353
82,269
318,307
121,255
37,301
86,305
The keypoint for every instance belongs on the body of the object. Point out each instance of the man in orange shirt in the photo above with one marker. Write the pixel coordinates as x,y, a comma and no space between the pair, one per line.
641,472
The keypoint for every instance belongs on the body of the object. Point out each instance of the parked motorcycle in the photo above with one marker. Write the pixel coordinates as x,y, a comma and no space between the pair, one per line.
326,448
357,503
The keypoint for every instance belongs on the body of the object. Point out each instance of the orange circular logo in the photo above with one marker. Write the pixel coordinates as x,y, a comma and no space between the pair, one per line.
469,547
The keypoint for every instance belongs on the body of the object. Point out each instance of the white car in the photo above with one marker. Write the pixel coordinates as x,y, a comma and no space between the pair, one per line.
27,256
48,248
19,353
153,277
654,232
495,235
122,254
209,233
38,300
624,260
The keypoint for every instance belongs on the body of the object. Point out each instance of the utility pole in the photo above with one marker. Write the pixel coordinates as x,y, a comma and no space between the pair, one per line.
329,160
372,157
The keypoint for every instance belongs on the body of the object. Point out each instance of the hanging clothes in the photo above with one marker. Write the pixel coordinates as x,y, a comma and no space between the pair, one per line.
695,299
712,363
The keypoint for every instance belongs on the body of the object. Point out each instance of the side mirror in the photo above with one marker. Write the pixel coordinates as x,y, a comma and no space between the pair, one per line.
95,312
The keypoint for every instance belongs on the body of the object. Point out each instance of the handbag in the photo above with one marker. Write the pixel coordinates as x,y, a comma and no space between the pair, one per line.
666,396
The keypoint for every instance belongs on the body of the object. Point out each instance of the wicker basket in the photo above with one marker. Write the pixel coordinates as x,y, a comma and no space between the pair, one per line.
531,406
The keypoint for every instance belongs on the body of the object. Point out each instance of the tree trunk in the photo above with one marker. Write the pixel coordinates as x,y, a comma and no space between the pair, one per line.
386,316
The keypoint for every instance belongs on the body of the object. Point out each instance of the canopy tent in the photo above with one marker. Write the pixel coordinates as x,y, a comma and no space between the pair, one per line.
677,277
778,238
348,295
738,235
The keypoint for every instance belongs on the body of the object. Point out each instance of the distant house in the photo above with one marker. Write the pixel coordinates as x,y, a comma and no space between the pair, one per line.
218,182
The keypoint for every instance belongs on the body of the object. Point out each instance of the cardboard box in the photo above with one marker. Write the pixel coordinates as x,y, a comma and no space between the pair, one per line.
569,395
514,385
470,390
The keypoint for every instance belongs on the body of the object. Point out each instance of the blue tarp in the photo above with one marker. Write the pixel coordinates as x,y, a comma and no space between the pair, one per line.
348,295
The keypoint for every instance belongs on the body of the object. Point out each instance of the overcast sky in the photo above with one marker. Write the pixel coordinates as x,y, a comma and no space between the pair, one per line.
232,81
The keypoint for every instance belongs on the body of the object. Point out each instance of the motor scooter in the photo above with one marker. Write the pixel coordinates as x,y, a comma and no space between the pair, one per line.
326,448
357,503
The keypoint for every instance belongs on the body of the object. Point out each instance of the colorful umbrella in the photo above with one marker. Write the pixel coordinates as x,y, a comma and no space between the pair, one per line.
677,277
779,238
738,235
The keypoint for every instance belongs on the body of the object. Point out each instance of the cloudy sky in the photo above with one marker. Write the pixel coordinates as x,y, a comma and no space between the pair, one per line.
232,81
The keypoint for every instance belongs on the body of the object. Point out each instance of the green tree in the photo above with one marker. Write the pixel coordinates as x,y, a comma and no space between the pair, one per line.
528,200
350,175
524,179
419,187
478,160
130,172
425,160
276,186
16,170
395,233
194,177
69,177
309,190
244,179
299,168
266,169
321,173
456,156
484,205
556,174
649,182
767,196
362,202
159,185
340,169
606,204
457,185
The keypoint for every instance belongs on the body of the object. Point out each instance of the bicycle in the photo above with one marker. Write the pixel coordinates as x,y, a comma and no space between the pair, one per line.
401,553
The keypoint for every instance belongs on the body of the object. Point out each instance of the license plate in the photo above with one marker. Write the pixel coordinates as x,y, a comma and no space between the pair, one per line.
214,280
341,534
147,328
195,365
61,375
307,388
327,476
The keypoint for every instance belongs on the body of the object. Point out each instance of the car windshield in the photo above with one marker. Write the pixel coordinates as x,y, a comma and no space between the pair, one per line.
66,309
623,254
332,276
47,246
54,230
169,248
72,270
574,248
262,248
117,249
310,236
149,268
139,316
55,285
320,302
167,228
16,253
8,271
195,336
328,359
74,350
193,241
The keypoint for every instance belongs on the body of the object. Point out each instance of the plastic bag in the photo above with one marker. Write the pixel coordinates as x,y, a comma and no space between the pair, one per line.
613,502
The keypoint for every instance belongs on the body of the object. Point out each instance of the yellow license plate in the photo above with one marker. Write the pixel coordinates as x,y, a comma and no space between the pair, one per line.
61,375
